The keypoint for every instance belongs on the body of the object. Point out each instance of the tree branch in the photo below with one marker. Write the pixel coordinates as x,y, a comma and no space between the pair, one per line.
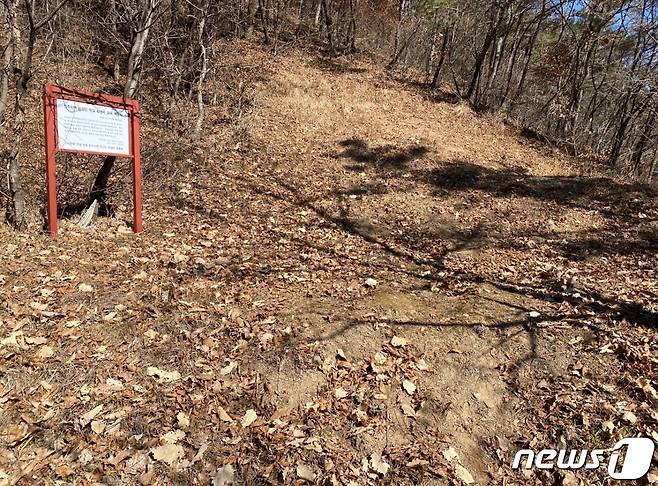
50,15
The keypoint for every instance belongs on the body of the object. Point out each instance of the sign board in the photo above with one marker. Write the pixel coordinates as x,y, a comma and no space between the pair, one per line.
89,128
90,123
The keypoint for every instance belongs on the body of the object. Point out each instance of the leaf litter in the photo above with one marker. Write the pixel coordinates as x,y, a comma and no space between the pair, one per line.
191,348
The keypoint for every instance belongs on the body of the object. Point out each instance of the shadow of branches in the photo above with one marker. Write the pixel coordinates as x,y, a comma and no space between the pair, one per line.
621,201
384,156
621,204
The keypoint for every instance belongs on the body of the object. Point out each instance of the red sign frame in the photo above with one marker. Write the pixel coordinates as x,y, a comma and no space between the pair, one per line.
50,96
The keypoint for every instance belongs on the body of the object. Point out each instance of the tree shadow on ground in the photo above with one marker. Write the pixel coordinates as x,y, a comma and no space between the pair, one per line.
423,88
600,193
443,96
363,190
628,230
549,291
618,201
586,244
621,203
336,66
384,156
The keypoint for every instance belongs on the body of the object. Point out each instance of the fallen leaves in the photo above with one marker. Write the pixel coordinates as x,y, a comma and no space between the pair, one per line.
136,464
249,418
463,474
398,342
409,387
378,464
407,406
183,420
98,426
224,476
608,426
172,437
649,390
90,415
15,338
242,283
86,288
163,376
38,306
223,416
168,453
450,454
228,368
45,352
629,417
305,472
15,433
378,362
114,385
422,365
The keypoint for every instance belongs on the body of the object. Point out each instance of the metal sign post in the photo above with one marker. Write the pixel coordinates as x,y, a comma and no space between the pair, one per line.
81,122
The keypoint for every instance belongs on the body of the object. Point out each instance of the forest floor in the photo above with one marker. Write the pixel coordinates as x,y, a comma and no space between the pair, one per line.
352,282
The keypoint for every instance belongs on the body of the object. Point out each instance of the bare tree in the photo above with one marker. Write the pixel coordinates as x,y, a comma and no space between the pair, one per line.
329,25
7,50
398,34
203,13
116,64
21,60
147,17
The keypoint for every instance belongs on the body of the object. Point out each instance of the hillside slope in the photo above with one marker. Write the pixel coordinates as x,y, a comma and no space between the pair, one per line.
352,282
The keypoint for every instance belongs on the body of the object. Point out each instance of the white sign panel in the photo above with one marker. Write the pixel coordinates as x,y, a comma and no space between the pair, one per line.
91,128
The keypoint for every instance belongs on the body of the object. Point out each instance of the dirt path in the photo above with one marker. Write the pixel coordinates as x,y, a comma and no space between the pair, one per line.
369,271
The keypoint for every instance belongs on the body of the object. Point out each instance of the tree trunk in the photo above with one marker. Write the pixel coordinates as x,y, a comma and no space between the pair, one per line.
524,73
252,7
264,19
479,61
133,77
398,34
16,210
180,71
8,45
300,9
21,64
507,101
351,33
318,13
495,62
615,153
646,135
134,71
277,25
329,25
202,74
436,79
116,68
652,168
